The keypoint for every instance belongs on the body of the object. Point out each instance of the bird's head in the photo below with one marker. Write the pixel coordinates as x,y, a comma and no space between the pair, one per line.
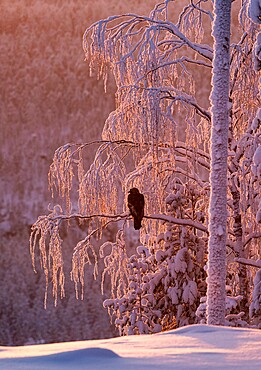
134,191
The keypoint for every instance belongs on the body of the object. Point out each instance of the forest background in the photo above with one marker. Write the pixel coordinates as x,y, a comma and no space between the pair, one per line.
47,100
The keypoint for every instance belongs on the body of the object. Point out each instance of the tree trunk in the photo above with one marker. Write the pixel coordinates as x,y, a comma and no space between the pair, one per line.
239,248
216,290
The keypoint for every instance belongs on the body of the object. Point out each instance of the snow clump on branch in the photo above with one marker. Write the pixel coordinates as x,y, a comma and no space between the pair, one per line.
257,53
254,10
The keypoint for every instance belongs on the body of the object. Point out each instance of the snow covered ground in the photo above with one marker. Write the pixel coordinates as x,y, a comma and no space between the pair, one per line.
190,347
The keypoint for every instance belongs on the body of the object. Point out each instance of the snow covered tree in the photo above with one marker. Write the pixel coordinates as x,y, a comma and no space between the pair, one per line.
164,281
157,140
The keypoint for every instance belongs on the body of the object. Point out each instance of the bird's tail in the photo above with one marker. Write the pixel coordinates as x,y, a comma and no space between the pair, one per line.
137,223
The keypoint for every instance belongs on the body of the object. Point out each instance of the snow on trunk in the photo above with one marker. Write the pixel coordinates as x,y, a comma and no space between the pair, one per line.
216,293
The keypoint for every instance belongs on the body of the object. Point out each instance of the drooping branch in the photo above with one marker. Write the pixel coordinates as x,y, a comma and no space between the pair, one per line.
133,20
131,143
106,35
168,154
181,61
188,100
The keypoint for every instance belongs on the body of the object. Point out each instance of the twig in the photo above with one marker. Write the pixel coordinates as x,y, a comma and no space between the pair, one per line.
247,262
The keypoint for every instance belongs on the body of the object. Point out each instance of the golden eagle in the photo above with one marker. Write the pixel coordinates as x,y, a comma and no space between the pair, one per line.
136,206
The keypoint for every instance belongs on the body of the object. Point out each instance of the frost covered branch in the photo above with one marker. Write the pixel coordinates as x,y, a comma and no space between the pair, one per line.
188,100
87,217
178,221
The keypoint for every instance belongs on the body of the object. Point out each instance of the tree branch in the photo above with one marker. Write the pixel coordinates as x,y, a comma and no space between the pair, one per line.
178,221
118,217
88,217
248,262
102,26
201,111
251,236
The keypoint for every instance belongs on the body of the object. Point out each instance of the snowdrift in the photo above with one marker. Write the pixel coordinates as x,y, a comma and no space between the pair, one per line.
191,347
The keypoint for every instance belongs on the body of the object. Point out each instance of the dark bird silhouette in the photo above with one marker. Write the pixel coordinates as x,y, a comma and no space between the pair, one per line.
136,206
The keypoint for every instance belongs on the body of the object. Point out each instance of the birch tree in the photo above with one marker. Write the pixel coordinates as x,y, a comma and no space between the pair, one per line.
157,140
216,293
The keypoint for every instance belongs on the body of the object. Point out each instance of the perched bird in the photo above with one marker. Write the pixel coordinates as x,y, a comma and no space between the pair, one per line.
136,206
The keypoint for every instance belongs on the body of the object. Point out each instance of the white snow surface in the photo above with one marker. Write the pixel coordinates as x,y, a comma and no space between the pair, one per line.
190,347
